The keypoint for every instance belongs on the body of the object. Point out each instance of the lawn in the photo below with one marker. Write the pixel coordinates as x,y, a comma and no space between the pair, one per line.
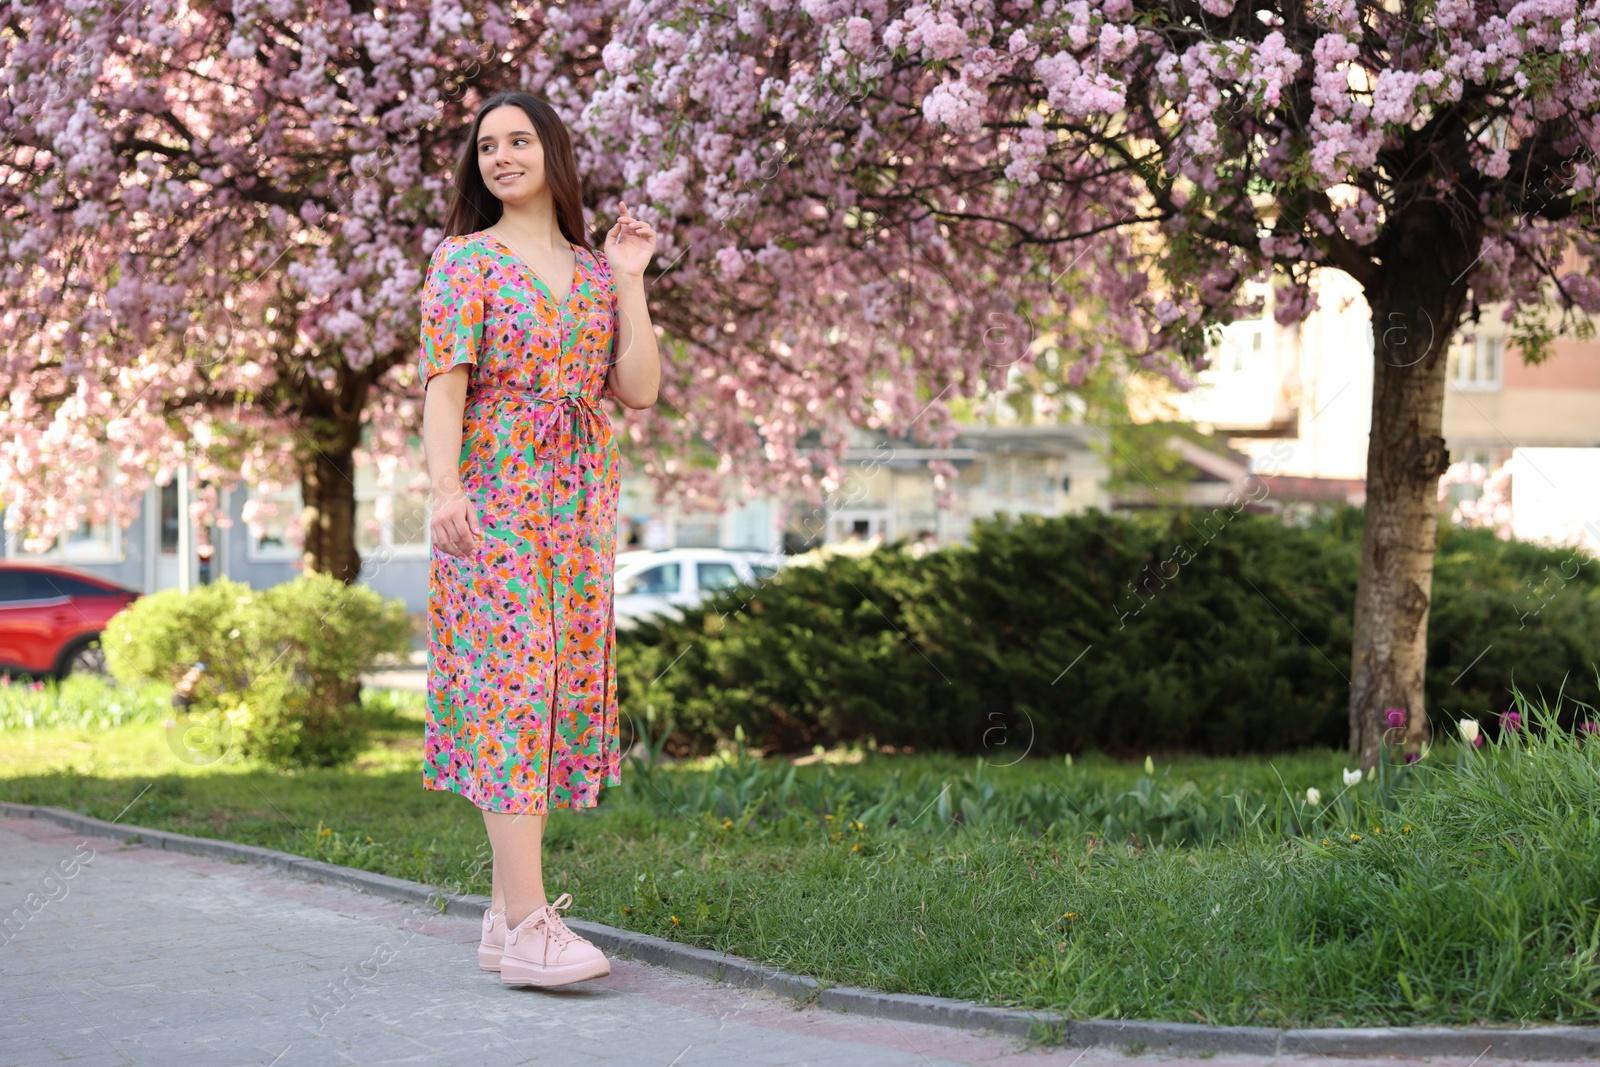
1466,890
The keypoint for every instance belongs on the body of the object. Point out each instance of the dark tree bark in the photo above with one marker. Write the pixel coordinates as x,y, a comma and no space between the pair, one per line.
328,514
1417,298
332,421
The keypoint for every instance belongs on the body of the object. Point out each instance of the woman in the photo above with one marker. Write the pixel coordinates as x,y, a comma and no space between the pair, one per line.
522,709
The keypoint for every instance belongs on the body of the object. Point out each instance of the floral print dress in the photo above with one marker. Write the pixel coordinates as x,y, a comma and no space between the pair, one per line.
522,704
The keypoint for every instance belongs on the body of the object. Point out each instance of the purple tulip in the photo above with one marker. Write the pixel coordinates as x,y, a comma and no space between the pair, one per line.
1396,717
1511,721
1412,757
1589,727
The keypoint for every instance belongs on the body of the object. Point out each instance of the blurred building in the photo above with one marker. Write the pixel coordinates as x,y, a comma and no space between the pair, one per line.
1304,392
888,493
1497,403
1300,395
158,551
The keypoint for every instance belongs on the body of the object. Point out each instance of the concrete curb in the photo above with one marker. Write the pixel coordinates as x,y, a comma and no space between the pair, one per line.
1569,1043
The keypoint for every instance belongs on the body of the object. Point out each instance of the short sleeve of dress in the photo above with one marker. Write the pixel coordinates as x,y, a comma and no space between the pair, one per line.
452,310
616,325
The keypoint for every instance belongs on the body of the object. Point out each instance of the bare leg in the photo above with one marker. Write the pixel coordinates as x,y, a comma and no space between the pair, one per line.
497,890
517,841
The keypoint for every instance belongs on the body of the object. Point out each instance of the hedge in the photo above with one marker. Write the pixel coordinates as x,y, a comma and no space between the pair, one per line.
1199,631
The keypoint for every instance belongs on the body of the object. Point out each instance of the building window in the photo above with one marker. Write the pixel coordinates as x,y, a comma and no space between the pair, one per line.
1239,340
1023,479
697,529
89,542
408,523
390,521
1476,364
169,516
280,540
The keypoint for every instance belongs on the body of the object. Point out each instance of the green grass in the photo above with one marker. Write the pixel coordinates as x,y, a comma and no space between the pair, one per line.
1206,890
81,700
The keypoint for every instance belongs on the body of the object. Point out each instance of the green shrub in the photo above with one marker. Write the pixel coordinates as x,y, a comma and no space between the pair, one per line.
286,725
282,664
1192,631
160,636
1503,615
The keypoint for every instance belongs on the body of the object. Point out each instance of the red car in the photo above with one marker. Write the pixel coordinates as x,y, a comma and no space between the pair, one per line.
51,618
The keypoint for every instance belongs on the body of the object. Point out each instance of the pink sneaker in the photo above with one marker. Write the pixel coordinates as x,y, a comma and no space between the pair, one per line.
543,952
493,943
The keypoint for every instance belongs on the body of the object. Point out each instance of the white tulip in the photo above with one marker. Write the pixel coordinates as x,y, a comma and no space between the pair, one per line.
1149,765
1352,777
1313,796
1469,730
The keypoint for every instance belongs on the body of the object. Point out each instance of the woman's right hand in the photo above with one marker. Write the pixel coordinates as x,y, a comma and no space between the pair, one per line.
454,526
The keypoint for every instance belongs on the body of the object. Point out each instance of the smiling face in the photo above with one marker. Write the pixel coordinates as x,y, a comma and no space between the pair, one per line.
510,155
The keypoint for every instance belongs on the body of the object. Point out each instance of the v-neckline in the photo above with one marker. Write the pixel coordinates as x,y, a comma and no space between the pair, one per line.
577,268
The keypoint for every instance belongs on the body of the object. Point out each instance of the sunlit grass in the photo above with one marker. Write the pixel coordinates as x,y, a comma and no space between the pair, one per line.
1465,889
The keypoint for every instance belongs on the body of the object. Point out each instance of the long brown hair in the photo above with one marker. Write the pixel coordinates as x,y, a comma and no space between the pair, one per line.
473,207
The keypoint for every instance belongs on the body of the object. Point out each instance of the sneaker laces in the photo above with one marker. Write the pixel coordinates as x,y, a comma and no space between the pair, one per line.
552,919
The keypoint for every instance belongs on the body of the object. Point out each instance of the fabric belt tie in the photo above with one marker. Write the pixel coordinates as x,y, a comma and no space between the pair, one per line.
568,403
528,396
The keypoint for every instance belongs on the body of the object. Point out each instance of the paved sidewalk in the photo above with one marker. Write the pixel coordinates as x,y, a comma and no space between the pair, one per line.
122,954
411,679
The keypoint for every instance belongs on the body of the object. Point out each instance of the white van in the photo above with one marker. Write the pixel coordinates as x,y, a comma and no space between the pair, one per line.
665,580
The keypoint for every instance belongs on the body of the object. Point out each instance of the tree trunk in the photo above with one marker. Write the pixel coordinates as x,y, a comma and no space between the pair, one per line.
1416,300
328,515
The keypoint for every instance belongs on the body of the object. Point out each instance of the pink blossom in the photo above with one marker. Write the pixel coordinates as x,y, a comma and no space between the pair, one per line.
1583,291
858,36
944,39
1489,507
1028,148
853,303
618,57
1394,97
1361,221
1116,42
954,104
1293,303
730,262
1335,12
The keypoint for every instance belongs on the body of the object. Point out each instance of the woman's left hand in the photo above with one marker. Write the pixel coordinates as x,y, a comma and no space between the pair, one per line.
629,245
